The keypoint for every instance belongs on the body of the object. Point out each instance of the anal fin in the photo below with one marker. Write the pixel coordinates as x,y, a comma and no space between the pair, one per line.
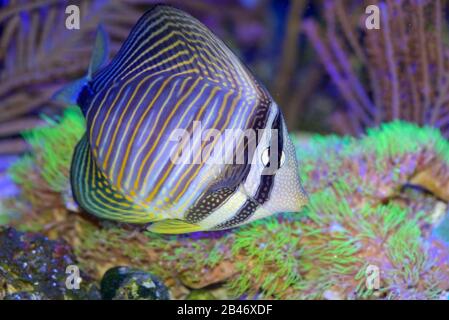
96,195
174,226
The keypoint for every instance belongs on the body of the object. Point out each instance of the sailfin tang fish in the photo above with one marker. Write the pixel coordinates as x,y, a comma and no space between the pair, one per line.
172,74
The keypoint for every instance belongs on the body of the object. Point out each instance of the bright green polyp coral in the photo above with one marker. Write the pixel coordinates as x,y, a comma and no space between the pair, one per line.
52,147
364,210
399,138
55,144
359,215
270,254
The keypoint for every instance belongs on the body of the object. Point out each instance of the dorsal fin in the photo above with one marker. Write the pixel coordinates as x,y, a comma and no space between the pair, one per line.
166,39
69,94
100,52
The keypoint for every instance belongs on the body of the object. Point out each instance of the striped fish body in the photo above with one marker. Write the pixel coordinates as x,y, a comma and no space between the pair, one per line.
172,75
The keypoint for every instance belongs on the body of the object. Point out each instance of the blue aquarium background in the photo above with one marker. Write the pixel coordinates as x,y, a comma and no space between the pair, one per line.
367,110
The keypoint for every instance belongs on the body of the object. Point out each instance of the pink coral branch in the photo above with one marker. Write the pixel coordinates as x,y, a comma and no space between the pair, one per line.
443,81
310,29
343,61
423,62
389,51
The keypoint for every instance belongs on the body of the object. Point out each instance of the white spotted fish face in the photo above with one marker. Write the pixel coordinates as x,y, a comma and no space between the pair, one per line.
272,184
287,193
282,182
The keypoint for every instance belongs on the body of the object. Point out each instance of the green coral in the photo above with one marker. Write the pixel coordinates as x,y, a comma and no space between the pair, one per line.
356,217
348,225
399,138
52,147
4,217
19,171
271,257
389,141
190,259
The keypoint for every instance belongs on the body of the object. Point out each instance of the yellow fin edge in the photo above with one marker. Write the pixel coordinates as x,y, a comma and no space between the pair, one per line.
173,226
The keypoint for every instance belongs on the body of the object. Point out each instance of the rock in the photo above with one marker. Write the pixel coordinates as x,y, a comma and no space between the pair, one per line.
24,295
125,283
220,273
32,266
333,295
200,294
433,181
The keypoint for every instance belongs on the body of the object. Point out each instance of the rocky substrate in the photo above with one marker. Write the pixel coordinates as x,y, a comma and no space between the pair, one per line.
32,267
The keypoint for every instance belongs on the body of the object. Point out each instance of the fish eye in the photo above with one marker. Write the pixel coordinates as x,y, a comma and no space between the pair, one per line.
281,163
266,158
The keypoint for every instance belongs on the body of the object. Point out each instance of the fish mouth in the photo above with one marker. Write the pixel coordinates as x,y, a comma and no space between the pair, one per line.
305,197
303,200
297,206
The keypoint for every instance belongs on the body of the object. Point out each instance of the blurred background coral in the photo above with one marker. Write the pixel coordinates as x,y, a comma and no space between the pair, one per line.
323,67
